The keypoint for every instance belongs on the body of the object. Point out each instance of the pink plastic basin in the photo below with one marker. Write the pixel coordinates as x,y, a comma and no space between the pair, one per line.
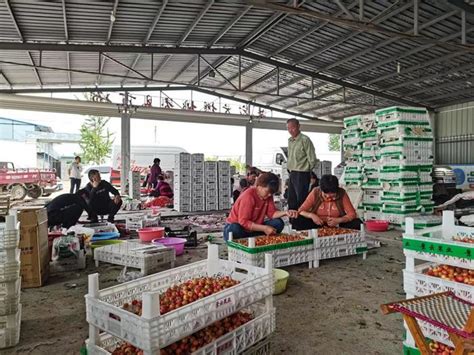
150,233
176,243
377,225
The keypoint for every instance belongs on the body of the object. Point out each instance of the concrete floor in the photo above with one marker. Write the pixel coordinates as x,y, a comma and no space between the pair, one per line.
330,310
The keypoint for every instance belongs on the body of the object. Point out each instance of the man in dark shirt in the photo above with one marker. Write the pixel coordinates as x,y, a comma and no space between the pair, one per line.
65,210
97,193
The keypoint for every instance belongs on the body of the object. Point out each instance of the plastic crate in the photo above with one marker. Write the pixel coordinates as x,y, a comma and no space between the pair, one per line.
9,239
135,223
436,244
355,237
431,332
153,331
422,222
250,338
340,251
9,256
284,254
10,329
9,296
416,284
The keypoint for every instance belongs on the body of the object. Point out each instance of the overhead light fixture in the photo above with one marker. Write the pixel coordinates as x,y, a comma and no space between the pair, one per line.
112,17
399,67
212,74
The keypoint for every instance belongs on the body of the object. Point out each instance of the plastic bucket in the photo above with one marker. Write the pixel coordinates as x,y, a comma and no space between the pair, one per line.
150,233
176,243
281,280
377,225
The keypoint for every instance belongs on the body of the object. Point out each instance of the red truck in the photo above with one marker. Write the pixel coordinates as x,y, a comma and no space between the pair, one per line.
30,182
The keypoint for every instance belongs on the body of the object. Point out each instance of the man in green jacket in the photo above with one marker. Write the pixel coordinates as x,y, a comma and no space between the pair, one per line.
301,161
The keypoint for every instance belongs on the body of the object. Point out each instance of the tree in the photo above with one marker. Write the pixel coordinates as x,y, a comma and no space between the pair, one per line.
96,140
334,142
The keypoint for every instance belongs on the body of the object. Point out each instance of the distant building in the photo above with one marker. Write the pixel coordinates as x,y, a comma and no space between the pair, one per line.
30,145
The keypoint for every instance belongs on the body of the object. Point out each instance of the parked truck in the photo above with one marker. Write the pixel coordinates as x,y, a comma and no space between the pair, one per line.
30,182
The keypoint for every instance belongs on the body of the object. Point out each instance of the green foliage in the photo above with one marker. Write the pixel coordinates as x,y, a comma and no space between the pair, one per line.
239,166
334,142
96,140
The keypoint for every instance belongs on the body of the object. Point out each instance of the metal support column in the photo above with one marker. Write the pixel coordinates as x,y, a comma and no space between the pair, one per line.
125,146
248,143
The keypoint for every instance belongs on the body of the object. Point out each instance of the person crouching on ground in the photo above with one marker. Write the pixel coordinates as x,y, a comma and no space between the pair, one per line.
328,204
97,193
162,189
247,217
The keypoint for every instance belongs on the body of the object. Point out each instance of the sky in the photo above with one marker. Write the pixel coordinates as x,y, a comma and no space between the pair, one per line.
212,140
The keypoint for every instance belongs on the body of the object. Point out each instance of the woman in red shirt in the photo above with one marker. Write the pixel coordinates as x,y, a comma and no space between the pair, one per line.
328,204
254,212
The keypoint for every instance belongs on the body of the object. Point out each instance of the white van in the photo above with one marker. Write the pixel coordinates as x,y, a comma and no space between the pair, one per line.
141,156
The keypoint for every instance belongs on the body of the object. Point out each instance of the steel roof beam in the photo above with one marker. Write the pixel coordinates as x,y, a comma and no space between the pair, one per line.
2,74
195,22
293,42
439,86
343,8
357,25
384,15
218,72
469,91
20,34
68,60
112,21
228,26
66,32
188,65
160,66
404,54
147,36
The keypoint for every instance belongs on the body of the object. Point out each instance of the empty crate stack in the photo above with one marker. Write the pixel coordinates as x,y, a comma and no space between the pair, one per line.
211,185
406,161
197,185
223,170
438,259
134,185
323,168
10,283
182,182
371,199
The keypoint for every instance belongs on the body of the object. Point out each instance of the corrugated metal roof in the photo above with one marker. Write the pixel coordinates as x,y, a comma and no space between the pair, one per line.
393,68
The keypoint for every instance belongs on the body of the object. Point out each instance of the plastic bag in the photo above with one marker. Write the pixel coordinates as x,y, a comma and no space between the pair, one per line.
129,276
66,247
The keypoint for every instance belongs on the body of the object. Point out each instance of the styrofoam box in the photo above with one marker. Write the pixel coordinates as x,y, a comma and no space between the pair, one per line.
9,296
418,284
152,331
10,329
9,239
372,196
372,215
242,340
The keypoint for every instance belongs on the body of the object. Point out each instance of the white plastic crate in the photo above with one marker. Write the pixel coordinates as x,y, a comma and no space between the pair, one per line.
416,284
9,256
212,207
153,331
396,218
148,258
410,159
431,332
9,296
435,244
247,339
286,256
9,239
355,237
10,329
338,251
